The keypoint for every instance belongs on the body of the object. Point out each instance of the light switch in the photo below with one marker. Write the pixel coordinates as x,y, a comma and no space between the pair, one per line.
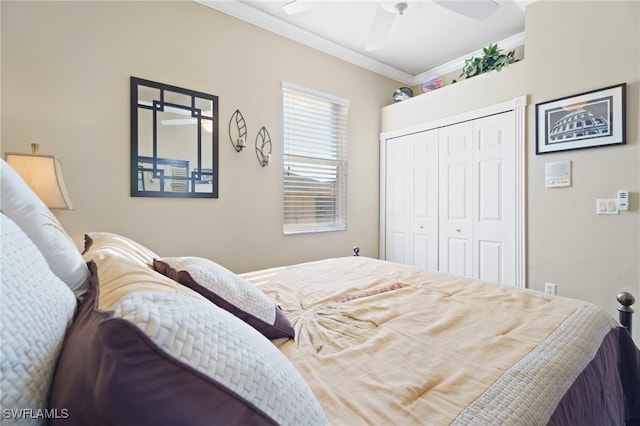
607,206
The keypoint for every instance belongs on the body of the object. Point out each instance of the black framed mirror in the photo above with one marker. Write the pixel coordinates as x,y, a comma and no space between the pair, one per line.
174,141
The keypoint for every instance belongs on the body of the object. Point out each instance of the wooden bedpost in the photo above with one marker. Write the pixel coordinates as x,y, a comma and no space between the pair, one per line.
625,311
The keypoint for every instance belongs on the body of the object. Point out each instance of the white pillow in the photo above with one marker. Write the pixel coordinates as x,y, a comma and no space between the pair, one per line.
118,244
37,307
24,207
226,349
166,359
229,291
125,266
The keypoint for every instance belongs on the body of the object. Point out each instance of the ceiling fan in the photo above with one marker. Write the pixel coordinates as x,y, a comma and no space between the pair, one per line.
388,10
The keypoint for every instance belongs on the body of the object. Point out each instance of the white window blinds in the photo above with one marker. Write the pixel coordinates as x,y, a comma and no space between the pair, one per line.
315,160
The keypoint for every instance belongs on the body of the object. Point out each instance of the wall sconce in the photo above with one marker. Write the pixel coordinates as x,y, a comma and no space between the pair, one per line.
43,174
263,147
238,131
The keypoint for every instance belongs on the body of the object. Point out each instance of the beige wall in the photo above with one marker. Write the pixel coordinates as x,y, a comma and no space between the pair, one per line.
571,47
65,85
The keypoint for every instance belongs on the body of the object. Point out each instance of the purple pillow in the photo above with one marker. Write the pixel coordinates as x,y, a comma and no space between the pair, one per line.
168,359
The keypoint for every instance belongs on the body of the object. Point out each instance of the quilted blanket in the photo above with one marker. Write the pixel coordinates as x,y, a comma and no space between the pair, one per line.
382,343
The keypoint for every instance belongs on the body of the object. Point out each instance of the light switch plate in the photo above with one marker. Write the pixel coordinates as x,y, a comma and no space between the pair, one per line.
607,206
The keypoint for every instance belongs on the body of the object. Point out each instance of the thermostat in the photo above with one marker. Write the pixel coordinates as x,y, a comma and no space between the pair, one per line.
623,199
557,174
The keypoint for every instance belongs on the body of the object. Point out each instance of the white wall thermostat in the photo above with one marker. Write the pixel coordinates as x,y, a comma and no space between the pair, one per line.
557,174
623,200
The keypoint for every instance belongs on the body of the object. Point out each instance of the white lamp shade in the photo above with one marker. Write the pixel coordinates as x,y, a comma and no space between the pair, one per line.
43,174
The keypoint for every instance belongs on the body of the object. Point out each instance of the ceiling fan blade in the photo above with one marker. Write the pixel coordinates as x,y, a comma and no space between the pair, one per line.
380,28
475,9
297,6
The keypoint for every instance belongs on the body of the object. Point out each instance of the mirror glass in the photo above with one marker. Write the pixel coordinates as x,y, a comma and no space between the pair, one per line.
174,141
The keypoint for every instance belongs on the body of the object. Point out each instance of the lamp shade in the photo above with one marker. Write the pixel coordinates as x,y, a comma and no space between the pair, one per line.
43,174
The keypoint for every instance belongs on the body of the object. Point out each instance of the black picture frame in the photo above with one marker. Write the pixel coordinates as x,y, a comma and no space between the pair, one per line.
586,120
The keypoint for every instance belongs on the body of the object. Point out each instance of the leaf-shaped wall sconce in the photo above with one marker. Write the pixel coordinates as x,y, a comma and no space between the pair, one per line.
263,147
238,131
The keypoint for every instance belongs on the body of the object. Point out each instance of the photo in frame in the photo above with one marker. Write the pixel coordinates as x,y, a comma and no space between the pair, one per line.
585,120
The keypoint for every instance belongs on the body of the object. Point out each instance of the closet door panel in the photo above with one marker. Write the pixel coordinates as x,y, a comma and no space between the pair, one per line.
455,199
412,200
457,257
494,199
397,247
490,261
423,252
424,219
490,191
398,202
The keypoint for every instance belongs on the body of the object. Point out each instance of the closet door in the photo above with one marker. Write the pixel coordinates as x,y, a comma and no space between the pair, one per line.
412,200
456,198
398,201
453,196
494,202
477,199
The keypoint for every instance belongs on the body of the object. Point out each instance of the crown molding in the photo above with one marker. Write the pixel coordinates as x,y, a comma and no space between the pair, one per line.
268,22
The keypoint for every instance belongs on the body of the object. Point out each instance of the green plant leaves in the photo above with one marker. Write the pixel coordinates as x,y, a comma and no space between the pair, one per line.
492,59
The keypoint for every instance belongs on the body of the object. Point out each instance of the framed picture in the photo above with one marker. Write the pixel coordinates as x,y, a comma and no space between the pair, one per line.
585,120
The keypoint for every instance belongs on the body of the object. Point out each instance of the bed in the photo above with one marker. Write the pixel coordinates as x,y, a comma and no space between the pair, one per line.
119,335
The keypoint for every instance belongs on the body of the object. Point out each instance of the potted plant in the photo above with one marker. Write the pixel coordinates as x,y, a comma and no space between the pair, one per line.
492,59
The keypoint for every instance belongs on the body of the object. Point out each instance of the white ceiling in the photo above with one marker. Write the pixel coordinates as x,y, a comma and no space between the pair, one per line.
426,40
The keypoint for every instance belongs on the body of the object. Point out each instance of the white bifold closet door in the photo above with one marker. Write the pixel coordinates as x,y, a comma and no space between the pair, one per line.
450,201
412,200
477,199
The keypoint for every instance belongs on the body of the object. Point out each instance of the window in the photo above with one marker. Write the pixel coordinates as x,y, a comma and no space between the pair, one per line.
315,160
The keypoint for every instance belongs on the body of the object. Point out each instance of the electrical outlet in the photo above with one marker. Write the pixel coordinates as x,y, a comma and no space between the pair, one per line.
550,289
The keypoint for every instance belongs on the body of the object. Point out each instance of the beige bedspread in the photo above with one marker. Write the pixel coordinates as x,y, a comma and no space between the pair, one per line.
381,343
